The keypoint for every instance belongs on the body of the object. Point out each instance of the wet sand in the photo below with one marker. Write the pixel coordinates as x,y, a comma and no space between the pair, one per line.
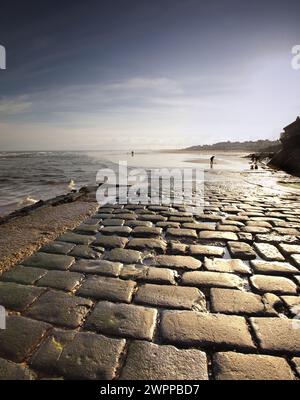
22,236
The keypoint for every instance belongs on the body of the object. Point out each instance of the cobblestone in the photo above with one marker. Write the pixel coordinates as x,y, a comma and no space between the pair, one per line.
11,371
218,235
134,223
263,224
49,261
152,218
158,245
149,361
177,248
148,274
227,228
228,301
181,219
61,280
83,356
87,229
18,297
124,320
274,238
111,304
267,267
126,216
60,308
116,230
202,250
104,288
125,256
199,226
289,248
241,250
76,238
211,279
255,229
171,297
25,275
99,267
20,337
84,251
227,265
287,231
57,247
206,330
110,242
237,366
209,218
277,335
168,224
273,284
182,233
268,252
182,262
145,231
113,222
245,237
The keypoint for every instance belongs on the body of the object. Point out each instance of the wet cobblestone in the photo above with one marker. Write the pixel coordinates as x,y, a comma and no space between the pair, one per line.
155,292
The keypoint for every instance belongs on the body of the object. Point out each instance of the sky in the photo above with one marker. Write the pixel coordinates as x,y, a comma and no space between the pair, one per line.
123,74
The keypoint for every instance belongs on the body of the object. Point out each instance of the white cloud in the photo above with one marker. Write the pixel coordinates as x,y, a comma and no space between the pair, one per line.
14,106
140,83
147,112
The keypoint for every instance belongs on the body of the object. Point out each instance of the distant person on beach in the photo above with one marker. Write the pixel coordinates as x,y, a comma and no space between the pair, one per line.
212,161
132,153
254,162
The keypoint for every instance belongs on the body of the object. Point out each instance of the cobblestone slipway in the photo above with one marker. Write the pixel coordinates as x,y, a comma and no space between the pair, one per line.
154,292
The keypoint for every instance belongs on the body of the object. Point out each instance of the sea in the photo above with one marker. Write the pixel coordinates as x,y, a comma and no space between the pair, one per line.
26,177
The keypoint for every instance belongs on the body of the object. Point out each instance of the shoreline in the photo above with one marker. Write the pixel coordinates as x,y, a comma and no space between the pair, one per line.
25,230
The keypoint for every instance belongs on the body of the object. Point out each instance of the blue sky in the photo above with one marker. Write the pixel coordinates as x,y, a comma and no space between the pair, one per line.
146,74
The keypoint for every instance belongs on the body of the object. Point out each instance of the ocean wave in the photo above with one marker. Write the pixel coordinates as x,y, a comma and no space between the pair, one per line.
27,201
71,184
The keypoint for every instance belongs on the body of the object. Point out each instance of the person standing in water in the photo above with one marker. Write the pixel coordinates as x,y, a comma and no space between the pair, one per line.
212,161
132,153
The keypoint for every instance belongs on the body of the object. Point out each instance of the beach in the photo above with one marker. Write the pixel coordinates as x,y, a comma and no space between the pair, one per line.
26,177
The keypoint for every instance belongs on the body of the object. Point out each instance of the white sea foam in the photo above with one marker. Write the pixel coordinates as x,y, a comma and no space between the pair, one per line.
28,201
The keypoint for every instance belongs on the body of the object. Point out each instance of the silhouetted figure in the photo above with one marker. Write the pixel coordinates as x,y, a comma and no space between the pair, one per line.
132,153
212,161
254,164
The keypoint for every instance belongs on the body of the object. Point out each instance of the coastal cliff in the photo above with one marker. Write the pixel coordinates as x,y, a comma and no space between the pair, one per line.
288,157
